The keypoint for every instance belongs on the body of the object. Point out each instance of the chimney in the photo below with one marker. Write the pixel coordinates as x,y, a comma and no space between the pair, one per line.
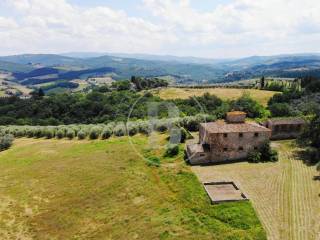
236,117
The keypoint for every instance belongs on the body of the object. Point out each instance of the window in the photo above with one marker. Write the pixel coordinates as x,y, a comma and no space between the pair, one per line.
277,128
255,148
240,148
225,135
202,155
256,134
240,135
225,149
206,147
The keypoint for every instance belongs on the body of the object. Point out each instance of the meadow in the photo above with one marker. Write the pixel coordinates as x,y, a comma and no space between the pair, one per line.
103,189
284,194
261,96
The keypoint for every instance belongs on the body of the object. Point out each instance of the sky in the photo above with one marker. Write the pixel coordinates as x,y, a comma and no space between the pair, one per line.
200,28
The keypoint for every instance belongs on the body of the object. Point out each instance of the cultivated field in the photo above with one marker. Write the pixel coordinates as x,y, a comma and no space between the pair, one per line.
284,194
224,93
60,189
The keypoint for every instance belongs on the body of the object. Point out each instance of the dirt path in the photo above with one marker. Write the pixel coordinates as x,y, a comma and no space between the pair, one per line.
284,194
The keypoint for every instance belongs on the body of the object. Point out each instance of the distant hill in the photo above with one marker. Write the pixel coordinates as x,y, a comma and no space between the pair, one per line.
149,57
14,67
44,59
34,69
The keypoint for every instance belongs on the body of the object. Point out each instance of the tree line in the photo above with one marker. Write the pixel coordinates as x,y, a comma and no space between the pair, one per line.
105,105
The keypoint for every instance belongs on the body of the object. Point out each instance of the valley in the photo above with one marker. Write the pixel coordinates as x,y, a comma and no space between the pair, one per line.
60,73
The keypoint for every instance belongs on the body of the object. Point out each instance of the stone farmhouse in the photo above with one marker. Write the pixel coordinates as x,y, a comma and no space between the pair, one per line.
229,140
286,128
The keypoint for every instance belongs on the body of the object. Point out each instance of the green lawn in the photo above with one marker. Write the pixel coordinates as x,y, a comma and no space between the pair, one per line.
59,189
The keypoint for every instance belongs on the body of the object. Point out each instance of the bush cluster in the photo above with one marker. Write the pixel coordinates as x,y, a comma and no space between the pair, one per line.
264,154
172,150
6,141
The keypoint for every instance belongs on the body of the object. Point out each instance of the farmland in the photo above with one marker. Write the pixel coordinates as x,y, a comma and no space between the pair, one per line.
284,194
64,189
223,93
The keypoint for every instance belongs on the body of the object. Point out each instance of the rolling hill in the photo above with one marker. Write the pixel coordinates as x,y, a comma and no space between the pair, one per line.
34,69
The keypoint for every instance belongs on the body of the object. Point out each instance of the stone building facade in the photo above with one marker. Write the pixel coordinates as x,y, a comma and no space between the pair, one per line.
229,140
286,128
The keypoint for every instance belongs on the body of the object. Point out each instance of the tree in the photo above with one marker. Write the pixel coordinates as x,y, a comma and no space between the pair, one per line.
40,93
246,104
37,94
280,109
262,82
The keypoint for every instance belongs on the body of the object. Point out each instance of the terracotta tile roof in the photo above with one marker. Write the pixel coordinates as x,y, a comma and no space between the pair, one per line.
284,121
223,127
236,113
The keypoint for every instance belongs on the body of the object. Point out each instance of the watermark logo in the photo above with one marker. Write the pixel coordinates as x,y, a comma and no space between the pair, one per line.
157,123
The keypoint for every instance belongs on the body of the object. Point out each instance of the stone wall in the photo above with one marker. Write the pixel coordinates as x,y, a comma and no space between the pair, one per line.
235,146
280,132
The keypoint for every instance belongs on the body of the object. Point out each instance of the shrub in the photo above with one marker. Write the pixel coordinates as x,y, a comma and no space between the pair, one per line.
254,157
70,134
30,133
60,134
132,128
143,127
6,142
106,133
82,135
38,133
20,132
94,133
267,154
172,150
161,126
274,157
120,130
191,124
184,135
48,133
153,161
179,135
313,155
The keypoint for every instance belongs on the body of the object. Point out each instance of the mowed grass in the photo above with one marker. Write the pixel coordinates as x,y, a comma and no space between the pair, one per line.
60,189
224,93
284,194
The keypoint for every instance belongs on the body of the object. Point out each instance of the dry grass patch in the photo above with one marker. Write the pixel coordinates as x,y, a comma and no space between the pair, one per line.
224,93
284,194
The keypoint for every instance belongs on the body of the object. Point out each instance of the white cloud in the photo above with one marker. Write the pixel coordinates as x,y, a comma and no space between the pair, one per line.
236,28
242,22
57,26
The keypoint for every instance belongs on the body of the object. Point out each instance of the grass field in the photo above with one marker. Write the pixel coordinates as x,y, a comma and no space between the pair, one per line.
60,189
224,93
284,194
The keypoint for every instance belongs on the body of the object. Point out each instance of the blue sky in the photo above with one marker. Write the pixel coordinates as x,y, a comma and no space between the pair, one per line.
202,28
132,6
